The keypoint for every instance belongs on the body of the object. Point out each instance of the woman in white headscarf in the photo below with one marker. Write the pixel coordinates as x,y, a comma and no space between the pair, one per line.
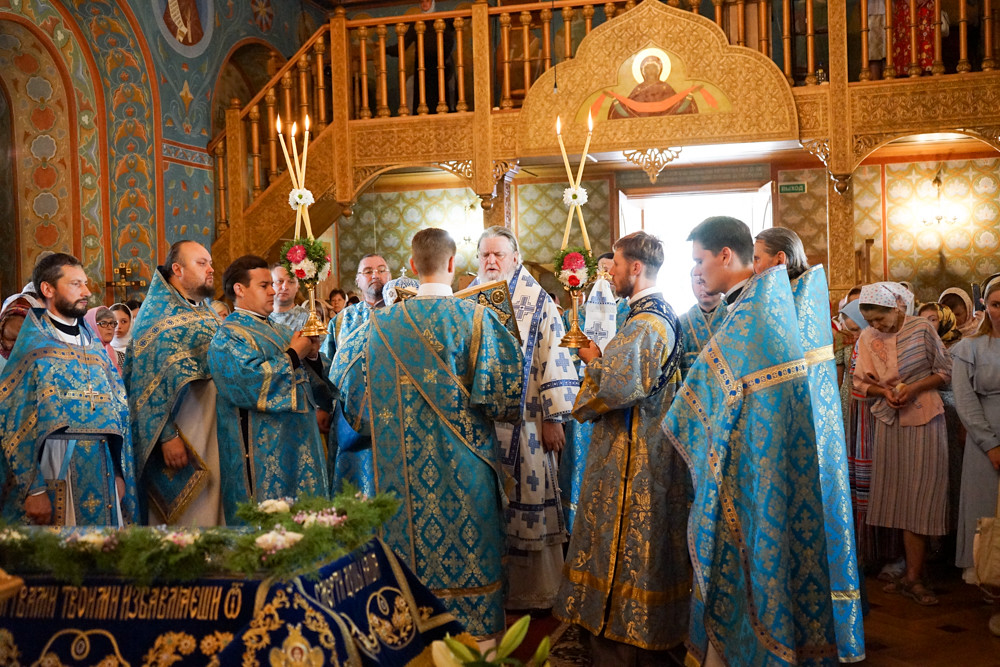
123,331
901,364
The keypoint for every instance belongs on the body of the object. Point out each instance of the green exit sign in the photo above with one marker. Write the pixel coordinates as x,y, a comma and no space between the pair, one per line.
791,188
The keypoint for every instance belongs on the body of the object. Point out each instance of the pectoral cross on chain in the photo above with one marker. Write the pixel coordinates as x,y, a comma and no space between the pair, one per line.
92,396
122,284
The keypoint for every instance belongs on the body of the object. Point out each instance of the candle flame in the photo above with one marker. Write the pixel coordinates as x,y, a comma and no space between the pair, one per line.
307,122
294,126
558,125
590,122
278,124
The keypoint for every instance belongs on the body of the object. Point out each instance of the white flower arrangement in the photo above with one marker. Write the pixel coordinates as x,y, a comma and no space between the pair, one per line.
277,539
93,540
575,196
179,539
579,274
300,197
11,535
304,270
328,518
274,506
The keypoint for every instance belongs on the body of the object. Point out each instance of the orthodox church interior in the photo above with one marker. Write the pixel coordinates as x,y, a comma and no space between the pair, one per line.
127,125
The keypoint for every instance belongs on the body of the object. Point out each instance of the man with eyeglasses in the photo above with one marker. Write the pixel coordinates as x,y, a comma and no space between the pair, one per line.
536,527
63,414
352,456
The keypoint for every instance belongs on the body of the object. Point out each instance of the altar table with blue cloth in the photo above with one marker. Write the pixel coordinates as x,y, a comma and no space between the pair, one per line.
366,608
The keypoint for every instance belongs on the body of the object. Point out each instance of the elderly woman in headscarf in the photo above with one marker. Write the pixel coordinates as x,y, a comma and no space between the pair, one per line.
102,322
966,316
11,320
901,365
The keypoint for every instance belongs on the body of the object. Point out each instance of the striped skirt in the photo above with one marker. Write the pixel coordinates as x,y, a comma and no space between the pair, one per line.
910,477
875,545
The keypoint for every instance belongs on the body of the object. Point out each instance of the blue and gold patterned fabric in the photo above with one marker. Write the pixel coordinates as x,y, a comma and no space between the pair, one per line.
351,460
698,330
169,351
627,575
428,376
573,459
756,533
813,308
281,452
51,389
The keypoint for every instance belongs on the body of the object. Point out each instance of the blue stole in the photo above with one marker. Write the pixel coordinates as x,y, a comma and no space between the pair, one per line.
811,303
573,460
512,456
53,389
756,532
169,351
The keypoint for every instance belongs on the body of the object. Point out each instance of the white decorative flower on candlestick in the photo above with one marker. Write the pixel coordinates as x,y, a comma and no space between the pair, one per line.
575,196
300,197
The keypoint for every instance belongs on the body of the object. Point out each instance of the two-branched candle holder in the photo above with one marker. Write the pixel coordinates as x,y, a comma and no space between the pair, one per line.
304,257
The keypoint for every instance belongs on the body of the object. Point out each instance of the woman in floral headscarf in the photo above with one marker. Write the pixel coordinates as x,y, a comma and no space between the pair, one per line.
944,320
960,302
901,364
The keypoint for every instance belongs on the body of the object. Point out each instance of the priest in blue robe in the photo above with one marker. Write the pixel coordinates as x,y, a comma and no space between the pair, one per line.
351,461
627,577
67,448
269,442
778,246
171,393
743,422
428,377
701,322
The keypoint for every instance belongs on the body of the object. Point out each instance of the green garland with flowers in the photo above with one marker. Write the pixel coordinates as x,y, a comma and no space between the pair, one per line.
283,538
566,273
306,259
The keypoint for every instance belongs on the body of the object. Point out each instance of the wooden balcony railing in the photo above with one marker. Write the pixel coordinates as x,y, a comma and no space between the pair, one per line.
421,64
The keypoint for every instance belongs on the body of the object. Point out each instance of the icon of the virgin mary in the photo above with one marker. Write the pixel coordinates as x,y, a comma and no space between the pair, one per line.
653,96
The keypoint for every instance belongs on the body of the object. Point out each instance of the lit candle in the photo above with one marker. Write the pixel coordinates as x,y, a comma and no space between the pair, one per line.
295,158
586,149
305,153
562,148
284,149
